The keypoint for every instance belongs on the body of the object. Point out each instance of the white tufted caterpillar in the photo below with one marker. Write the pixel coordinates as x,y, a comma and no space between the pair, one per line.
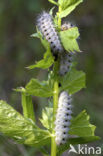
46,25
63,118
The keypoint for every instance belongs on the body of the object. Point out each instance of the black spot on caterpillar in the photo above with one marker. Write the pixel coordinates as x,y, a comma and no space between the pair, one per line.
65,63
46,26
63,118
59,84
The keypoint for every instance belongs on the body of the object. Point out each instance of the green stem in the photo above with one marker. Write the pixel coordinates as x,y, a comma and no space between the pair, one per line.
55,94
59,19
27,106
55,105
55,98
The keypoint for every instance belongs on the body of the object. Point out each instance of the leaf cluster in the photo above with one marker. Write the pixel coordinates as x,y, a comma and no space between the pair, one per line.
25,131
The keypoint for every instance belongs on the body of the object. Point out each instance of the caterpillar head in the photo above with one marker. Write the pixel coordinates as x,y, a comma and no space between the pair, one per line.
66,26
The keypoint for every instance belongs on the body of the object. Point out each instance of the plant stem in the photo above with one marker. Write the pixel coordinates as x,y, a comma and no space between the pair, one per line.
55,95
27,106
59,19
55,105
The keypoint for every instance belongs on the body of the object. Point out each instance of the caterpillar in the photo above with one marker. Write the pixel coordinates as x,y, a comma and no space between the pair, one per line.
65,63
46,26
65,57
66,26
63,118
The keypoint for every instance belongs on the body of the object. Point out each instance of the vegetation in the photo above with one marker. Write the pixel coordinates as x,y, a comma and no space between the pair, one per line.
24,129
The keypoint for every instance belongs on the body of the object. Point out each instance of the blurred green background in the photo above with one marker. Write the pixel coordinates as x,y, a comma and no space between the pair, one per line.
18,50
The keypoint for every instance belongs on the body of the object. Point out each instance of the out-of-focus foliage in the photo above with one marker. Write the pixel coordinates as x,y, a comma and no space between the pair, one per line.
18,50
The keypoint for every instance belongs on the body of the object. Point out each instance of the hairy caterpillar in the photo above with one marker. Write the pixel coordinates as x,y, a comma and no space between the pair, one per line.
63,118
65,58
46,26
65,63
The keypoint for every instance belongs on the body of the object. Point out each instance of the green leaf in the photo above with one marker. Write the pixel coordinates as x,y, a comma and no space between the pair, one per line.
37,88
52,1
67,6
73,81
80,127
48,59
66,3
35,35
51,11
22,130
44,151
28,110
47,118
74,141
44,42
20,89
45,63
68,39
